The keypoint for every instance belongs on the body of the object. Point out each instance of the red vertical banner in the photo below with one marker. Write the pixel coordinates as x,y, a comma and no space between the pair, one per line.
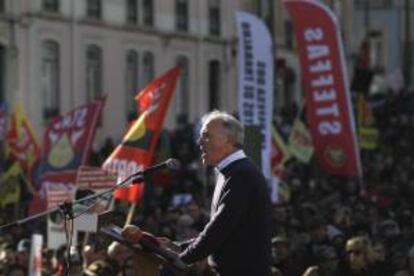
325,85
136,150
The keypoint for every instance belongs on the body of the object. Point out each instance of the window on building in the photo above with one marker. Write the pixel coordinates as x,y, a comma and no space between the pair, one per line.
132,11
410,77
93,72
376,50
288,34
94,9
2,73
213,84
147,68
377,4
50,78
51,5
131,83
214,17
183,98
181,15
2,6
148,13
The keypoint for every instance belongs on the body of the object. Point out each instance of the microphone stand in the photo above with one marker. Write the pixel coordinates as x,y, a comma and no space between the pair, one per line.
66,208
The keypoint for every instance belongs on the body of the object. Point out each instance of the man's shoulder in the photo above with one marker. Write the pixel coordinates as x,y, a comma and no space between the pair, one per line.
244,168
240,164
245,163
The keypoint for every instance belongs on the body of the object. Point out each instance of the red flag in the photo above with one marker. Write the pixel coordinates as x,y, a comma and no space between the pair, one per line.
325,84
136,150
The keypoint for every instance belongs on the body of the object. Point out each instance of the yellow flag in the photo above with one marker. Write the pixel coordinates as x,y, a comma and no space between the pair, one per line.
10,185
367,131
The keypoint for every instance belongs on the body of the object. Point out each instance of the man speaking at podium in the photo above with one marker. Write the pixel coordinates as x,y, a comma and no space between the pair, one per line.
237,239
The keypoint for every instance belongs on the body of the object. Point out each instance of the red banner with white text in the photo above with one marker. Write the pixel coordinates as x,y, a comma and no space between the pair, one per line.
326,88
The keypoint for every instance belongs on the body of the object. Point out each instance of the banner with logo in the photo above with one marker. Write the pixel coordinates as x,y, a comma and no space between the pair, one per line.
325,85
255,85
136,150
68,138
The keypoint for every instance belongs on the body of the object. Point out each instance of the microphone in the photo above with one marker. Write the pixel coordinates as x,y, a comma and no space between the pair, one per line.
171,164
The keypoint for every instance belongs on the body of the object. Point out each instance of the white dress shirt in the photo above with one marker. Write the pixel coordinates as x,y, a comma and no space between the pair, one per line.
220,177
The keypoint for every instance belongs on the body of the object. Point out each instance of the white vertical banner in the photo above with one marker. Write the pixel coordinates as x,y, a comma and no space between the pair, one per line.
35,265
255,85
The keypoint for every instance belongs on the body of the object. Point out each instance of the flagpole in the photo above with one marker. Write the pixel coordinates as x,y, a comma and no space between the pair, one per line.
131,213
300,110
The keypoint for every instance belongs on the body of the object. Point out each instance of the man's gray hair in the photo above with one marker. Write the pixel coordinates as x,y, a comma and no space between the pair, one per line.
233,127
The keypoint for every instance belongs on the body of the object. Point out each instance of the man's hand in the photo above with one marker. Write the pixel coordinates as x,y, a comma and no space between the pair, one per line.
166,243
131,233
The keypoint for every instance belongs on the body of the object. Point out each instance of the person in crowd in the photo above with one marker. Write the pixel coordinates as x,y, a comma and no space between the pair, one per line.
100,268
23,253
409,269
16,270
7,256
361,258
200,219
328,261
118,254
318,233
283,258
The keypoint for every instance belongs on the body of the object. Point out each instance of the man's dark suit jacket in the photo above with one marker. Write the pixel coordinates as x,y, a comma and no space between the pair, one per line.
237,238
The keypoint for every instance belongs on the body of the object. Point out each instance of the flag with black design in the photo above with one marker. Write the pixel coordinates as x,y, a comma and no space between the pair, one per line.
137,148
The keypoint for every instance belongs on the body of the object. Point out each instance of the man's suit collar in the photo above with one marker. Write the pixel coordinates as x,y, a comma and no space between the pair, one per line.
237,155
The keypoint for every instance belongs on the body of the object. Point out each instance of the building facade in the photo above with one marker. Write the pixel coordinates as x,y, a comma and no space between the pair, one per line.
59,54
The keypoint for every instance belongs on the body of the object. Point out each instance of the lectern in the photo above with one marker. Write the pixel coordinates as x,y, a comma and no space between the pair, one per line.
147,259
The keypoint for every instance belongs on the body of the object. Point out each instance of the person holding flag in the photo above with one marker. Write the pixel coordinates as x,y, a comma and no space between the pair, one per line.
237,239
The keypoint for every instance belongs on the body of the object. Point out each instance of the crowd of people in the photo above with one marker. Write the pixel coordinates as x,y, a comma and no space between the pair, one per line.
329,226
